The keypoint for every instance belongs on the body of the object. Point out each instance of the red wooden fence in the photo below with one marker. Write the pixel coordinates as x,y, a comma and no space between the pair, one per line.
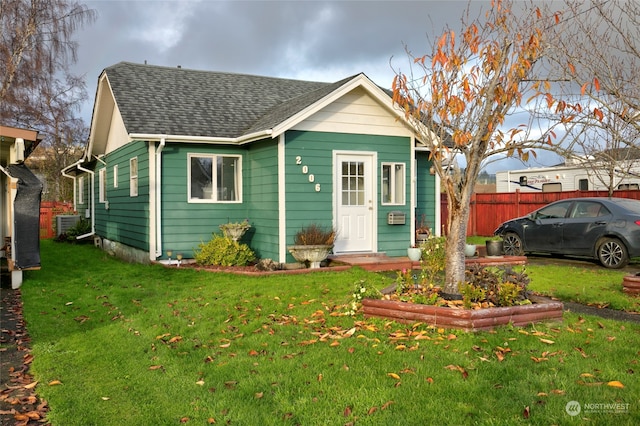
48,212
488,210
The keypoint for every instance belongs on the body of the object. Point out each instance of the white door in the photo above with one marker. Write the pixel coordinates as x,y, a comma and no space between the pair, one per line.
354,184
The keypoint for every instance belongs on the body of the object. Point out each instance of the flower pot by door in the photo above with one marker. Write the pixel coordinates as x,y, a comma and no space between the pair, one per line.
470,250
494,248
314,254
414,253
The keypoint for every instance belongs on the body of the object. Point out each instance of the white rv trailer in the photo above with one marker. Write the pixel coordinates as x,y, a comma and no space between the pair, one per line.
563,178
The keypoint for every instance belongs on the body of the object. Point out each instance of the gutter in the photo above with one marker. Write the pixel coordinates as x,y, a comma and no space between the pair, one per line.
201,139
93,203
67,175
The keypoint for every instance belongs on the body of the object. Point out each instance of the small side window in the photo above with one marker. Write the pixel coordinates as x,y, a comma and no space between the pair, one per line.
133,177
393,183
102,185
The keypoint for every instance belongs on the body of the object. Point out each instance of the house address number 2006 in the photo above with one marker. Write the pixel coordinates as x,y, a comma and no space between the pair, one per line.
305,170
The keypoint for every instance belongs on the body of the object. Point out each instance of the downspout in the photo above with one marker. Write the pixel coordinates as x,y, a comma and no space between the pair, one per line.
93,204
74,187
158,198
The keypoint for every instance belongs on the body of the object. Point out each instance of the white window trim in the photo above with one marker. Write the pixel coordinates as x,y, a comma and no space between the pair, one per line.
392,183
102,185
214,179
115,176
133,178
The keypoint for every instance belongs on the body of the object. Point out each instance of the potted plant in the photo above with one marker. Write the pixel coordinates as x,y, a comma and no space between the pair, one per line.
312,244
235,230
494,246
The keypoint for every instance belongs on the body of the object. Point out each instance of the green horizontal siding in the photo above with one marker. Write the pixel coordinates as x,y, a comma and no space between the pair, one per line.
304,205
261,174
426,196
127,218
185,225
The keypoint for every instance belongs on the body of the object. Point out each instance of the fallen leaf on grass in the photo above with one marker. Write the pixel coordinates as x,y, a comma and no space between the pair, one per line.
81,318
394,376
386,405
55,382
584,355
259,395
615,384
200,382
536,359
31,385
372,410
526,412
547,341
452,367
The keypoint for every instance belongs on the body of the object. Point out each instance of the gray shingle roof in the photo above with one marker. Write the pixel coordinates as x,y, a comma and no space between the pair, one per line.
176,101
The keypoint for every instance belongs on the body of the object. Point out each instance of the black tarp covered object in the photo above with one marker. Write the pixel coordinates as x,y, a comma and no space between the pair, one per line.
26,217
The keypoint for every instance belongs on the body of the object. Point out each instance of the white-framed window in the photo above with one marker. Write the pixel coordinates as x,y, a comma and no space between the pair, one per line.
133,177
81,190
115,176
214,178
393,183
102,184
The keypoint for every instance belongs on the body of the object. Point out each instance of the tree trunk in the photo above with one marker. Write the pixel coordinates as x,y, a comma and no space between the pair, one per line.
456,240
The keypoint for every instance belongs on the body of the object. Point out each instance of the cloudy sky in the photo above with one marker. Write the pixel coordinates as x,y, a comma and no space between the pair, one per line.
308,40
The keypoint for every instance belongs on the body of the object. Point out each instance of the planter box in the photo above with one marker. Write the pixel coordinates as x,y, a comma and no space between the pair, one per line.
631,284
465,319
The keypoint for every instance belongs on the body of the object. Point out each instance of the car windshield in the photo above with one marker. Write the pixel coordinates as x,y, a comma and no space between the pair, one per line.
554,211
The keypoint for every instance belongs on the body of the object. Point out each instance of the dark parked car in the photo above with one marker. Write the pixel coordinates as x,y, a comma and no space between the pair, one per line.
607,229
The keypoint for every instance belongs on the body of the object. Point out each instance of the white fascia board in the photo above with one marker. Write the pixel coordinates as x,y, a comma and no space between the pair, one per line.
102,80
201,139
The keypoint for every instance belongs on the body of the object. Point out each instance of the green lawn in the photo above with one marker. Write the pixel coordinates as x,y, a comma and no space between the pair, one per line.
145,345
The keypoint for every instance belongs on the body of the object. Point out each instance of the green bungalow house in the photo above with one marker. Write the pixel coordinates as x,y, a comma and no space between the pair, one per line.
174,153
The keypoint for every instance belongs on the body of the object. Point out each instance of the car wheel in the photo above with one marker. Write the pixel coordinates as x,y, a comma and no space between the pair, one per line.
612,253
512,245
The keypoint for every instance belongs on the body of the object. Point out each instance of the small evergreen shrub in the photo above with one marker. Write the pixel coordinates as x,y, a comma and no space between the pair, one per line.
82,227
223,251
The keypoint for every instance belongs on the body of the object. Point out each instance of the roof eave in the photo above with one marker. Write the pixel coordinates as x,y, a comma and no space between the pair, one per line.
202,139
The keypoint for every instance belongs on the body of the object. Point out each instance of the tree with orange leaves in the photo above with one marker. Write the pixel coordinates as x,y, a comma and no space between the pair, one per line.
471,88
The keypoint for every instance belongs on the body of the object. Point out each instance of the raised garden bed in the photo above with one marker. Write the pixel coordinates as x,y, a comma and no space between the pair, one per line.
631,284
541,309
